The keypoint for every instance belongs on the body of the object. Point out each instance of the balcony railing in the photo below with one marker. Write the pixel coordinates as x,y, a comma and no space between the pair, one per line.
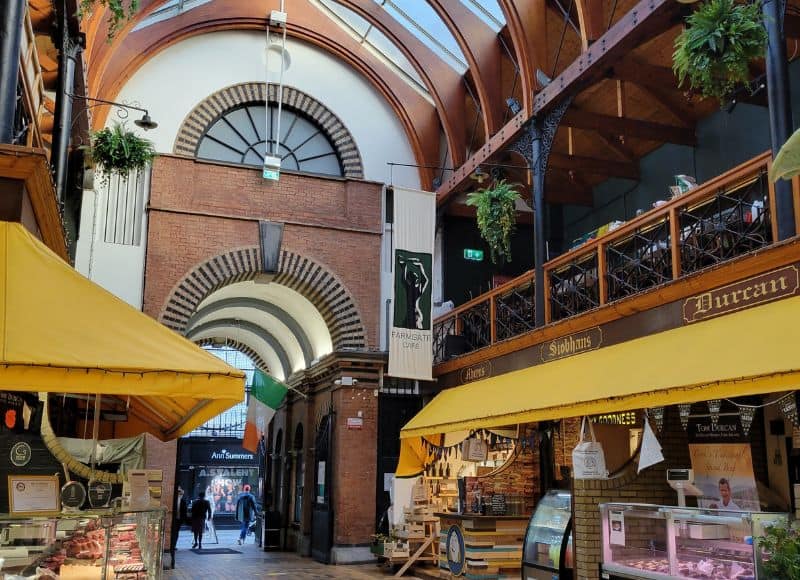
726,217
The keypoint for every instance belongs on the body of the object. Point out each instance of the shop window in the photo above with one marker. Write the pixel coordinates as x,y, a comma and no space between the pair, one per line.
240,136
299,476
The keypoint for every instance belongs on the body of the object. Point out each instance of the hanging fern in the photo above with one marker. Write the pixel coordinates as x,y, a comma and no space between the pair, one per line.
119,151
714,50
119,12
495,208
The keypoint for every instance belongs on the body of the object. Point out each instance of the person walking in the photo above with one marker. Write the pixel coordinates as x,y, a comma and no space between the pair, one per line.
179,517
246,510
201,511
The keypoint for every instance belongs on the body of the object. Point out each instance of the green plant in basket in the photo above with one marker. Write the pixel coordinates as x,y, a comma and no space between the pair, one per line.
715,48
119,151
495,207
780,546
120,11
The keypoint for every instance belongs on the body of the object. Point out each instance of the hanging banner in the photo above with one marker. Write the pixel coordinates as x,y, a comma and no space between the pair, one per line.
723,464
411,338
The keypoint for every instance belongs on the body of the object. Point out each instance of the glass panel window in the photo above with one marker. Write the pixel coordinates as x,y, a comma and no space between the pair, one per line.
238,136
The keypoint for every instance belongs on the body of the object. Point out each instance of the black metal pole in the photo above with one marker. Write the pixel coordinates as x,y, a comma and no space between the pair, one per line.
780,108
547,476
538,221
63,114
11,13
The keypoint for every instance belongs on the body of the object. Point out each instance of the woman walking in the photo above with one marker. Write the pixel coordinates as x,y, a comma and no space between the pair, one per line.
201,511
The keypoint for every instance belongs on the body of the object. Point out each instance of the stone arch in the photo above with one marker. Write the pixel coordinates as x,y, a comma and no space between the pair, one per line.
305,276
200,119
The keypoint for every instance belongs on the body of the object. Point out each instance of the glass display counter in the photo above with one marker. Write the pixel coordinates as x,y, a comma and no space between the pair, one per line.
664,542
547,553
124,545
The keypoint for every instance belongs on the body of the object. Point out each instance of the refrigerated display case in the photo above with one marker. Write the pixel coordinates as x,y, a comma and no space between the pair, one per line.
666,542
547,552
125,545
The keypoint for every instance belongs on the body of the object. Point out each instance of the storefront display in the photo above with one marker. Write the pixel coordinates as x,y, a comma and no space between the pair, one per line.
547,552
91,545
651,541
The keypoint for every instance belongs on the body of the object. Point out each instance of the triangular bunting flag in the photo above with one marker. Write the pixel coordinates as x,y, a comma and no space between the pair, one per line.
650,453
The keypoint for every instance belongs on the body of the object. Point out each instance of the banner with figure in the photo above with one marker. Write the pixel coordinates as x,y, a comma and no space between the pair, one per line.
411,338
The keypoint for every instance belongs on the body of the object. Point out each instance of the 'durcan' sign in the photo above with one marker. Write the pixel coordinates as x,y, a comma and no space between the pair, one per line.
753,291
573,344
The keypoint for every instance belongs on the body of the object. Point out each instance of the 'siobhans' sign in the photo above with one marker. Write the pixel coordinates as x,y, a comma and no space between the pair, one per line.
753,291
572,344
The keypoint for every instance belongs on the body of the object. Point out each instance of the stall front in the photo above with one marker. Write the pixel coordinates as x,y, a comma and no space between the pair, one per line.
60,333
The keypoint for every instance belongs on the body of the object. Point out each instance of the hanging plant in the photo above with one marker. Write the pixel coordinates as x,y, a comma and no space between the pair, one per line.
118,151
495,208
715,48
119,13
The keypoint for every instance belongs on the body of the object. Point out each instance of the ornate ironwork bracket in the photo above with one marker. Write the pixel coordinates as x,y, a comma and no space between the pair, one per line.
544,130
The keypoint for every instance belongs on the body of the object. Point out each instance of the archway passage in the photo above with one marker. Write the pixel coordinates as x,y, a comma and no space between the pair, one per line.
304,307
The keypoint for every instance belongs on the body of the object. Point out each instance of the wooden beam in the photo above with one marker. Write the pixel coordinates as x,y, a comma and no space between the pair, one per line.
645,20
590,18
593,165
646,130
645,75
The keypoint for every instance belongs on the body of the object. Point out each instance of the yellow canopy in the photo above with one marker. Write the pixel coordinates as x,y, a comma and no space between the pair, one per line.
61,333
751,352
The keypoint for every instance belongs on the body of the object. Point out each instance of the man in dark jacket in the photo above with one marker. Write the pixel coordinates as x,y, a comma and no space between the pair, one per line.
179,517
246,510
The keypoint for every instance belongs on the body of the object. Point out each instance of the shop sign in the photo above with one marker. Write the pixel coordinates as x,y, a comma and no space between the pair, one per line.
476,372
573,344
355,423
21,454
225,455
744,294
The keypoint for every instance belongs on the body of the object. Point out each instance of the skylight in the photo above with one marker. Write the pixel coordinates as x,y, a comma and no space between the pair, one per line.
168,10
489,11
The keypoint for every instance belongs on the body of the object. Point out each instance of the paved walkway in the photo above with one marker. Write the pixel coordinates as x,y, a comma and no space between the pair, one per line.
253,562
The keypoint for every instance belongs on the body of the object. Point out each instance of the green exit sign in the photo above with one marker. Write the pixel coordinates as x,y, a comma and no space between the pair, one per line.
272,174
473,255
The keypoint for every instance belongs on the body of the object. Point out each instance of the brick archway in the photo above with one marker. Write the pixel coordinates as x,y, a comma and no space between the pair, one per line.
205,114
241,347
312,280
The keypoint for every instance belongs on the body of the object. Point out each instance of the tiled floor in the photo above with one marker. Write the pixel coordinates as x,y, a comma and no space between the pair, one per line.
253,562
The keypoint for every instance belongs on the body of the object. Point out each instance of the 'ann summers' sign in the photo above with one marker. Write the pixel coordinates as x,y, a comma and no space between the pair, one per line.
750,292
573,344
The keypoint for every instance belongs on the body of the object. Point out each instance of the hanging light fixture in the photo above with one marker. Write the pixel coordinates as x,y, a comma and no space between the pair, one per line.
713,408
657,413
479,175
683,410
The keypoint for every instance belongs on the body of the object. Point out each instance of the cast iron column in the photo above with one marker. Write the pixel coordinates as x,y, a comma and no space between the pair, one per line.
780,108
11,13
63,113
534,144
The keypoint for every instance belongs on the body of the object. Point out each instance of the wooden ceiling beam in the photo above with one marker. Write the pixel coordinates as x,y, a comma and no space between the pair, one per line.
646,130
645,20
606,167
526,21
590,18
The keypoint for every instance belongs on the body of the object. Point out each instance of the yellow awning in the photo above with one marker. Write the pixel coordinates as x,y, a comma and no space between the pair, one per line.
751,352
61,333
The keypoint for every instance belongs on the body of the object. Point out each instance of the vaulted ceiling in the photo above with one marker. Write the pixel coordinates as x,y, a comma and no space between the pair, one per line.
462,72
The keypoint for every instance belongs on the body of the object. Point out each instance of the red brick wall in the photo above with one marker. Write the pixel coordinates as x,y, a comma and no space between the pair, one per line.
199,210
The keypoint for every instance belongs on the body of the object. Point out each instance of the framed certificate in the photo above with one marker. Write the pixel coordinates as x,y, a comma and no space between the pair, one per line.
33,495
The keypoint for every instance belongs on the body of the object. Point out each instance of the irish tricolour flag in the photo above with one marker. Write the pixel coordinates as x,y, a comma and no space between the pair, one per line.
266,395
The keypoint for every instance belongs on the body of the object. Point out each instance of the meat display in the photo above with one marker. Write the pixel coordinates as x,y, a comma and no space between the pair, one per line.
707,569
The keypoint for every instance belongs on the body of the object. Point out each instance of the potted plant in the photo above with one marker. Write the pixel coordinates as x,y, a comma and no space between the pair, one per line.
495,207
780,546
115,150
715,48
381,544
118,12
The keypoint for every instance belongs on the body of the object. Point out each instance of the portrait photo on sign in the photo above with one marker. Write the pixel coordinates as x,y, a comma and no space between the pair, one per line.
412,290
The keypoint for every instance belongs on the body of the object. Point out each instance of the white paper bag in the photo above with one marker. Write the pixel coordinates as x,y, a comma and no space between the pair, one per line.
588,459
475,450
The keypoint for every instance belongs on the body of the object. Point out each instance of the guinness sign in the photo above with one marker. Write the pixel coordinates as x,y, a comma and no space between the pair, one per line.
476,372
572,344
750,292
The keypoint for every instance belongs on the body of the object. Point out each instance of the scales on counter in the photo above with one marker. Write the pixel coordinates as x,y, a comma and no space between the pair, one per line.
682,481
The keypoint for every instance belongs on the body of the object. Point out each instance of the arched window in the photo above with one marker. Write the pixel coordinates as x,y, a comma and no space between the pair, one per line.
239,135
299,476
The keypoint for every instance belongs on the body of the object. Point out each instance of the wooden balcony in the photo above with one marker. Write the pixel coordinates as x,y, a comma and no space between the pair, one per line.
707,237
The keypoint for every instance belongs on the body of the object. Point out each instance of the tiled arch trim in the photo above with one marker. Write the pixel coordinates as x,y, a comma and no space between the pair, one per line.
241,347
315,282
198,121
